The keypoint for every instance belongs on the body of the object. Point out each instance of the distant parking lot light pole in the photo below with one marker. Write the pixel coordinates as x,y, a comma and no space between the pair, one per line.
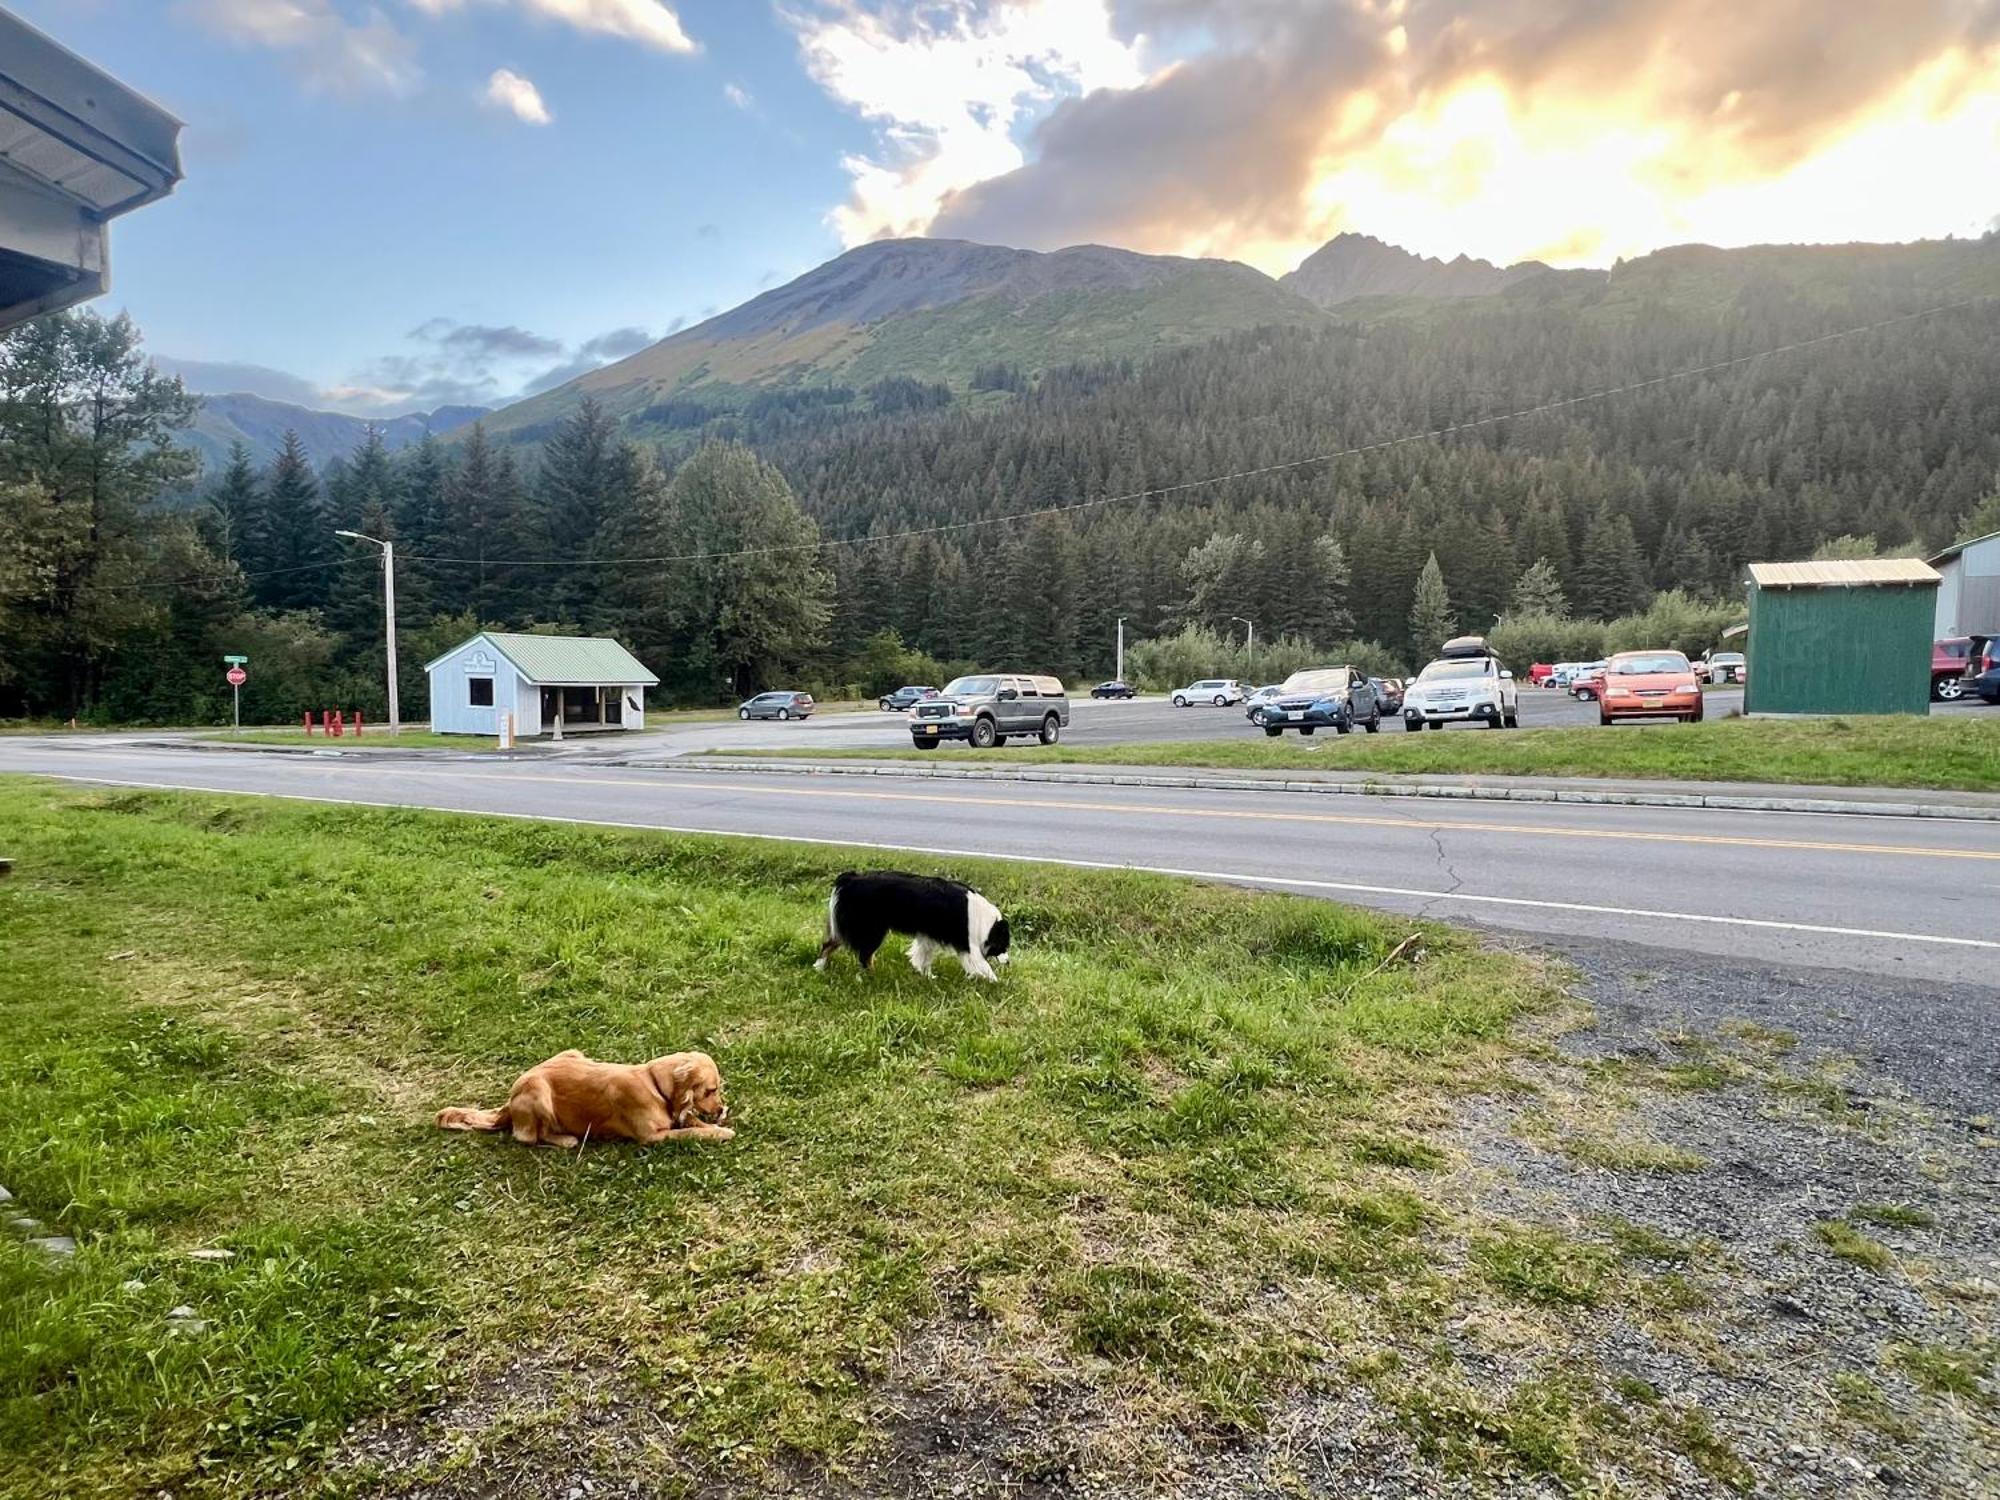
1249,636
1118,675
388,617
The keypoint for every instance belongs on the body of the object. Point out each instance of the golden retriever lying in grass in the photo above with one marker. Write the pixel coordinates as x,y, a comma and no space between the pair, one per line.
570,1099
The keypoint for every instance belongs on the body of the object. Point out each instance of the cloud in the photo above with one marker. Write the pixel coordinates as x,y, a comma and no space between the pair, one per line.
651,23
508,90
206,377
739,96
947,83
330,51
476,342
618,343
1580,129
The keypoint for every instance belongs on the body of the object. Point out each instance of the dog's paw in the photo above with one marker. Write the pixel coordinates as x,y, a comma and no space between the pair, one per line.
721,1133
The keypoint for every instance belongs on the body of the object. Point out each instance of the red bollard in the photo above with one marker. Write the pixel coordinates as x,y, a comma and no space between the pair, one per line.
336,723
308,717
326,723
357,723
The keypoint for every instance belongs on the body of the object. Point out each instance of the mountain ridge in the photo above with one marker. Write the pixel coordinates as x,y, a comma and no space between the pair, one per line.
260,423
1351,266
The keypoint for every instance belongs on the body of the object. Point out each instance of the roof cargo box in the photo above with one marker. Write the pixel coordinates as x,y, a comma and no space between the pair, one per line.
1466,645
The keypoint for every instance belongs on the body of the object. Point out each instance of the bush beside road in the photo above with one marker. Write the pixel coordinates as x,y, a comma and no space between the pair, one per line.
1946,753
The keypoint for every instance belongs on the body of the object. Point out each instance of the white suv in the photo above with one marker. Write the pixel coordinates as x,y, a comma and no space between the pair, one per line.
1465,684
1221,691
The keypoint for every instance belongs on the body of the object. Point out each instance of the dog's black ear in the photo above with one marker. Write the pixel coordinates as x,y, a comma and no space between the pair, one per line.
998,939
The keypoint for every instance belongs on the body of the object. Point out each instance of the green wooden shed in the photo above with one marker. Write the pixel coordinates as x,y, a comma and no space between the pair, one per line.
1851,636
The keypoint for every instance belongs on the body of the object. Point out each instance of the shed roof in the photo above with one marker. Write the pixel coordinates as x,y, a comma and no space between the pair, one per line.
1957,547
562,660
1845,573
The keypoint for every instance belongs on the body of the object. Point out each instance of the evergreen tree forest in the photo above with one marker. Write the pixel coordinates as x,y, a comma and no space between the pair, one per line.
802,543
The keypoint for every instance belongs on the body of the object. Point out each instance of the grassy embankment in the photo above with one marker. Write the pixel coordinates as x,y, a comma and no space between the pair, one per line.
1183,1159
1948,752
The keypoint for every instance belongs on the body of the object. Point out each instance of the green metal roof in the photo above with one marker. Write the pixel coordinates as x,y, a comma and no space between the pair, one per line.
563,660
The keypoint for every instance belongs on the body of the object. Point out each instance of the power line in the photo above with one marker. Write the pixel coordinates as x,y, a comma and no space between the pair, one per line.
1157,491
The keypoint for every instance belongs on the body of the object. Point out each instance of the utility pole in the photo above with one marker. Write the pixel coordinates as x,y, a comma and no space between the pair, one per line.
1249,635
1118,673
388,618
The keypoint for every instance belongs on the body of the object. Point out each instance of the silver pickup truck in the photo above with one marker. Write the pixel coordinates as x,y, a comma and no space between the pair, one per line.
988,707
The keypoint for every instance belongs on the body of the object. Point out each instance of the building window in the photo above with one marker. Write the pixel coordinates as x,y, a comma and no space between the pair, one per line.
479,691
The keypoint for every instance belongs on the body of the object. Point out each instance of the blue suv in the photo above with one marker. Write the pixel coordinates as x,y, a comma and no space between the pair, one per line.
1336,698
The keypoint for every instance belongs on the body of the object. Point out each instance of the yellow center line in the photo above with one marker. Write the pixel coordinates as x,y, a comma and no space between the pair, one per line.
1231,814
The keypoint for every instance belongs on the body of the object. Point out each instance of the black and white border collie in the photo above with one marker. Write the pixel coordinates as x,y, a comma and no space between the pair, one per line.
938,916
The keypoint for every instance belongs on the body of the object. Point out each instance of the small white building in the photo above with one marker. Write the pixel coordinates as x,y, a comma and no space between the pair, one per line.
585,683
1968,600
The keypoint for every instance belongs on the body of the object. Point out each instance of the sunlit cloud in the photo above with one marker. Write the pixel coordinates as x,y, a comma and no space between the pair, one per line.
1575,131
329,50
652,23
508,90
947,85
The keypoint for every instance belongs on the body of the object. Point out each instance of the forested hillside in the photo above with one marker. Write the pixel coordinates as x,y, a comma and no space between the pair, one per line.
761,543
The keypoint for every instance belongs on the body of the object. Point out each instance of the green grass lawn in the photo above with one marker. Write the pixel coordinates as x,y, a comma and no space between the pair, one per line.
1183,1158
1950,752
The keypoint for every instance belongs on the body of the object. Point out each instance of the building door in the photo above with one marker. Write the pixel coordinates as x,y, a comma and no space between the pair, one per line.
551,702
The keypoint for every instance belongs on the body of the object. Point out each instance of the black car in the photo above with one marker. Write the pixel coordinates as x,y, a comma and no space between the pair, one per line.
1986,686
1114,690
1388,693
903,697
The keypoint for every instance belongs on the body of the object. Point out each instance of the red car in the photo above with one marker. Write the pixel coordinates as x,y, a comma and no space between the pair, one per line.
1956,660
1649,684
1540,673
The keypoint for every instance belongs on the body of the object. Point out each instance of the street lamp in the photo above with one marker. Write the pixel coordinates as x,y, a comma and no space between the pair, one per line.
1249,635
1118,672
388,617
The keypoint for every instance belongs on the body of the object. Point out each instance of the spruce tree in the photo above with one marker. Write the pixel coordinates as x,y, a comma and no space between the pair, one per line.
1611,576
297,535
1431,620
236,509
1539,592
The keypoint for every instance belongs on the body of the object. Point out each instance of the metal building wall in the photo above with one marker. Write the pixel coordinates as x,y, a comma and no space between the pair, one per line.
1864,650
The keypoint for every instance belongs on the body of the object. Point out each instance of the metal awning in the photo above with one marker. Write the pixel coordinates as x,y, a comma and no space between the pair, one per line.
1845,573
77,149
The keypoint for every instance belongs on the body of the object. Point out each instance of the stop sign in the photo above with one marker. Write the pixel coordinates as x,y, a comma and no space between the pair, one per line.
235,677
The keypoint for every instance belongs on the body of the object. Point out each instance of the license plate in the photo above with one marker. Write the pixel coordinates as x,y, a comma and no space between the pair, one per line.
1296,713
930,729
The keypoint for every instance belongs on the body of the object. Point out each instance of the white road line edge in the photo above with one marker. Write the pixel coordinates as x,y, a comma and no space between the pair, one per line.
1225,876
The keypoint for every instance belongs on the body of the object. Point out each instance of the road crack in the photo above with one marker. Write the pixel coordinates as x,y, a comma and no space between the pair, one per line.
1450,871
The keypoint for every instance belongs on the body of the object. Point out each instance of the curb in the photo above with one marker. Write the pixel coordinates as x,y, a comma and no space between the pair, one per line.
1446,791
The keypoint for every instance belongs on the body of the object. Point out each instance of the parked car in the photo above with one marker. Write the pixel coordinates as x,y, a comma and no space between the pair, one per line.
1540,673
1466,684
1389,693
988,707
1986,686
903,697
777,706
1722,666
1587,681
1254,704
1336,698
1114,690
1957,661
1649,684
1221,691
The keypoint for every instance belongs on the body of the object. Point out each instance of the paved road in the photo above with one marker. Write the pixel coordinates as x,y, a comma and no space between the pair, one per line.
1892,896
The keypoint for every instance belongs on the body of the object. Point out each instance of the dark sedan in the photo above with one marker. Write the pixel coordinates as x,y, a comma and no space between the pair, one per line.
904,697
1986,686
777,706
1114,690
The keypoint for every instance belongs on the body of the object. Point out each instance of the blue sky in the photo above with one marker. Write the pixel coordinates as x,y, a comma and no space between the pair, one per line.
396,203
318,226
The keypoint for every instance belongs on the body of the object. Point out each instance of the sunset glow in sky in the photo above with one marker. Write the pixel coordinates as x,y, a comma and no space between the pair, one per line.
393,204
